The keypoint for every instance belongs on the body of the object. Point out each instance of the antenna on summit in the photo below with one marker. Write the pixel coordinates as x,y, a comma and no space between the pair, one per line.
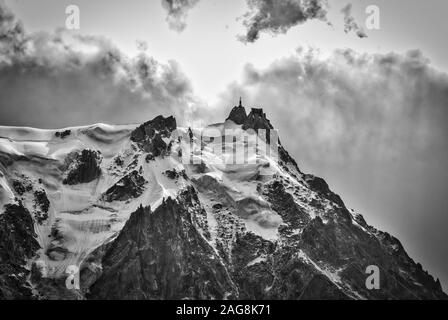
240,105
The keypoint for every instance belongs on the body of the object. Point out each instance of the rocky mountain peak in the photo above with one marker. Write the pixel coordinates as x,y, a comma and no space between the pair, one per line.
159,124
255,120
238,114
149,135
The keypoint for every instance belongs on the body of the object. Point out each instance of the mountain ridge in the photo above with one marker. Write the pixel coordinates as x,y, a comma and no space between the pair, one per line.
141,223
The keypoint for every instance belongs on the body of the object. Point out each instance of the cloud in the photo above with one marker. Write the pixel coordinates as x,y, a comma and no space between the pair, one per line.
279,16
177,12
350,23
11,33
270,16
352,103
62,78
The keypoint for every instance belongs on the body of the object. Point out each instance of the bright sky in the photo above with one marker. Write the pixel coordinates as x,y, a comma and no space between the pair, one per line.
207,50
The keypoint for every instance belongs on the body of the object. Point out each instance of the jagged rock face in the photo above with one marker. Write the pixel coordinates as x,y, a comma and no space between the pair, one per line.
162,255
319,185
257,120
148,129
17,245
174,174
129,187
83,167
42,205
149,136
238,115
279,273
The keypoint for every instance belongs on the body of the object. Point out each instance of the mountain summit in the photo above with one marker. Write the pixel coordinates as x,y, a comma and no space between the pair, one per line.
255,120
115,212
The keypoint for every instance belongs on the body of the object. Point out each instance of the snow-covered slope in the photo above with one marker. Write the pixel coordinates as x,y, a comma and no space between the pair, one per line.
263,227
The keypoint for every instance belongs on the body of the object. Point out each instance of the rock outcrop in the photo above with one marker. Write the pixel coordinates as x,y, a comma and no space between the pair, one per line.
238,115
62,134
129,187
162,255
17,244
150,135
41,205
257,120
82,167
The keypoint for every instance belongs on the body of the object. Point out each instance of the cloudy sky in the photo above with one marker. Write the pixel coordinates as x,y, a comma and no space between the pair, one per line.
365,109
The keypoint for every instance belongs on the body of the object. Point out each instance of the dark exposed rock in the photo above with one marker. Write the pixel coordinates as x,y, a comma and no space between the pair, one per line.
156,146
91,269
320,287
41,202
174,174
147,130
128,187
118,161
133,163
278,273
55,289
36,273
149,157
360,220
252,280
63,134
17,235
319,185
257,120
55,233
283,203
17,244
21,187
161,255
149,136
238,115
348,248
18,187
285,158
200,167
83,167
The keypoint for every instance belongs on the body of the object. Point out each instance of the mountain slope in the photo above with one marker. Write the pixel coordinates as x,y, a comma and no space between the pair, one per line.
161,212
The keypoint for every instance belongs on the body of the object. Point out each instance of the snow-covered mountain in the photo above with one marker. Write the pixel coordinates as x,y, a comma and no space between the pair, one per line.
121,204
